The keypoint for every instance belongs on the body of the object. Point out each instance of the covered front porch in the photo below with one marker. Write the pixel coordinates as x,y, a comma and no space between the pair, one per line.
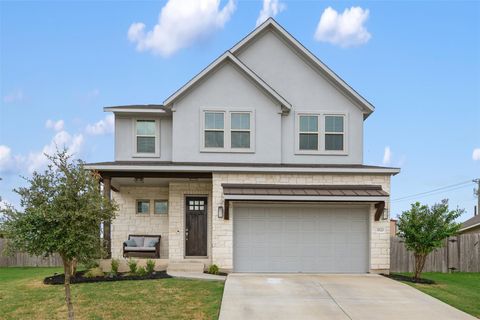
173,207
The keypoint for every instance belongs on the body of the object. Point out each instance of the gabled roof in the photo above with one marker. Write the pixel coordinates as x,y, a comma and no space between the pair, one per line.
271,24
228,56
471,223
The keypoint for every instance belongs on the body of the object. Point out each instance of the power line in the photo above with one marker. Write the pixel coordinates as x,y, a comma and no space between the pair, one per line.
436,191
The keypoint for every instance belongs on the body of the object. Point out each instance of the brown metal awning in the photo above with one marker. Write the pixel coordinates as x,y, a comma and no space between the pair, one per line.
319,193
233,191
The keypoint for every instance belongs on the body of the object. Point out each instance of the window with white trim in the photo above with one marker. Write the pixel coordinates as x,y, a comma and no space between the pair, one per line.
214,129
240,130
146,136
334,132
308,132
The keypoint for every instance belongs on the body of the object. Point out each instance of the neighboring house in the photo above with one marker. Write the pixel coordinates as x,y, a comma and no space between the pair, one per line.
472,225
255,165
393,227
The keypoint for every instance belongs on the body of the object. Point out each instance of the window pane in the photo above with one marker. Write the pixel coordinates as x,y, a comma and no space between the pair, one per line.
240,120
308,141
146,127
213,139
143,206
213,120
145,144
308,124
240,139
334,142
161,207
334,124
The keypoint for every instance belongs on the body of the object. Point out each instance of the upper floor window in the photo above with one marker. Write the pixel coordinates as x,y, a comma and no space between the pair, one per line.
214,129
146,137
308,132
320,133
334,132
240,130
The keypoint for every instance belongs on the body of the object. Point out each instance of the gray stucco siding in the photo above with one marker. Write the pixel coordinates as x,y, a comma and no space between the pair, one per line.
226,89
302,85
125,135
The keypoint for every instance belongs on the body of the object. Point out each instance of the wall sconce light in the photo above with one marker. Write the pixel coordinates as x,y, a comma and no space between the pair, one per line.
220,212
385,214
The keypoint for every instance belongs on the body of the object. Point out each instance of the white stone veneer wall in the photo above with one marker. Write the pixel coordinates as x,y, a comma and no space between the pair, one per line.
222,230
129,222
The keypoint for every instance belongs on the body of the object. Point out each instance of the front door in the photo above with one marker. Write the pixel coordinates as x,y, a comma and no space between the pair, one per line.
196,226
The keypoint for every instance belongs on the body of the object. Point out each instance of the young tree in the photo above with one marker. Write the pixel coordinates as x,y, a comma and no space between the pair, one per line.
63,208
424,229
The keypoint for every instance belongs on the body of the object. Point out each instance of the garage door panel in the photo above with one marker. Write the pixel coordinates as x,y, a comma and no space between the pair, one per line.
302,238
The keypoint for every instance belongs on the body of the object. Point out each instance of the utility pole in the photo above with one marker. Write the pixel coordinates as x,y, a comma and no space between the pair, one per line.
477,194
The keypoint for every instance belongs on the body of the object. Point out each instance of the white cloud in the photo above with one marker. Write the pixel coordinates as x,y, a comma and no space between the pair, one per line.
102,127
345,29
5,158
15,96
180,24
61,139
387,155
270,9
476,154
55,125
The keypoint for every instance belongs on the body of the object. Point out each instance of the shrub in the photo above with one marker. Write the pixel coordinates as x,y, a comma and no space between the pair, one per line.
150,266
213,269
91,264
115,265
94,272
132,265
141,271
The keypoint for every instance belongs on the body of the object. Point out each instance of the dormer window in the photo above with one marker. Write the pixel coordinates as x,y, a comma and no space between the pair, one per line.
146,137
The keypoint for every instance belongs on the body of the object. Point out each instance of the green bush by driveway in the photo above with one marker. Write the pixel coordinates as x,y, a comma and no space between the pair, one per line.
24,296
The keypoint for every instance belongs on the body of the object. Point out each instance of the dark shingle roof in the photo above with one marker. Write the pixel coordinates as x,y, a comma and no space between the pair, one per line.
471,222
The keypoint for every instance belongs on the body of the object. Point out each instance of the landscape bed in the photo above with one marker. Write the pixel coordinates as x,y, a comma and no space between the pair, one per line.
58,279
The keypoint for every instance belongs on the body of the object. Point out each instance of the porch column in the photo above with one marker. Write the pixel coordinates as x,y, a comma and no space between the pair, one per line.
107,224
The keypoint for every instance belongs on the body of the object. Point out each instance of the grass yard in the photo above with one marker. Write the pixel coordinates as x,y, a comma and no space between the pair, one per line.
24,296
460,290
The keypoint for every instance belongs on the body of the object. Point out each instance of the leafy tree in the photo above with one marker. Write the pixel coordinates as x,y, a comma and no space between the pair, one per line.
63,208
424,229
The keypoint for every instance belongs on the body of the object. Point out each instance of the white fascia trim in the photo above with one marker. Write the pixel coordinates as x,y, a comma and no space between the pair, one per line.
135,110
470,227
391,171
271,22
304,198
238,63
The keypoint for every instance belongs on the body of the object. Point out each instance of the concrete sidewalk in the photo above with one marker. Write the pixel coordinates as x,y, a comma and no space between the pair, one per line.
306,296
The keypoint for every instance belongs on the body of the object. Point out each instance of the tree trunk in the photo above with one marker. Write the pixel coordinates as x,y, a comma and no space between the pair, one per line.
67,267
74,266
420,259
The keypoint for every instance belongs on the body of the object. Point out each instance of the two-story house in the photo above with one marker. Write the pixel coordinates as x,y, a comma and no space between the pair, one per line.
255,164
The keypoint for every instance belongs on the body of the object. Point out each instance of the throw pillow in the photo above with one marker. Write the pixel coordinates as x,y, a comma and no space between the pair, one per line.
130,243
152,243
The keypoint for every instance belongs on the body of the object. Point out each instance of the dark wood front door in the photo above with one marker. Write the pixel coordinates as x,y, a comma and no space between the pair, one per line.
196,226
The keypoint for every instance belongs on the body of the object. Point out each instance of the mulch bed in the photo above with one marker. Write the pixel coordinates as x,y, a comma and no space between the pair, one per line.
80,278
400,277
218,274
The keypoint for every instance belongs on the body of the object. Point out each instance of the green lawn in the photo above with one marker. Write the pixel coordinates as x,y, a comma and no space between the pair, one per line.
24,296
460,290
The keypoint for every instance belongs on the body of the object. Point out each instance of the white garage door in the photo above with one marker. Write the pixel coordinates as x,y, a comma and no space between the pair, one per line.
300,238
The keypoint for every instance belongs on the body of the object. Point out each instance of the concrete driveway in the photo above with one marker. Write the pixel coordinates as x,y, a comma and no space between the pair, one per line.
304,296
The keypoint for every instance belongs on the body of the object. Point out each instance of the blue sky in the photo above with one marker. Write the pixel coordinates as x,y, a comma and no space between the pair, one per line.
417,62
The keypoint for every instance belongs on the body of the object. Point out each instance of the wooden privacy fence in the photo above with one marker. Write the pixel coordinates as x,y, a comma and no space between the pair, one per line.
26,260
459,253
